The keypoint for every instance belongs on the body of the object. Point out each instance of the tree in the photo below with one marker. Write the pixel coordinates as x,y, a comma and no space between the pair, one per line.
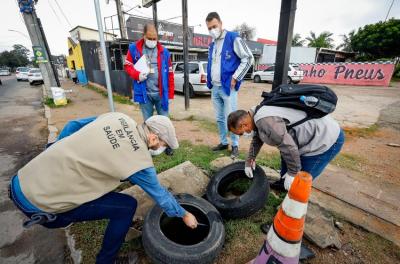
323,40
21,50
17,57
245,31
297,41
379,40
346,44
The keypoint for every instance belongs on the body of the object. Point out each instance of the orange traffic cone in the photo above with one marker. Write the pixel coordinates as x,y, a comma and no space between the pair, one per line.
282,245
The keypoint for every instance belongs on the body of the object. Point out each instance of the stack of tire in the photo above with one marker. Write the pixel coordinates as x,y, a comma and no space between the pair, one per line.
168,241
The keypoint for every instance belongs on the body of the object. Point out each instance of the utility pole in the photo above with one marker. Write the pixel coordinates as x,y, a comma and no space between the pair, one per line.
185,53
104,52
285,35
121,19
37,37
155,19
53,67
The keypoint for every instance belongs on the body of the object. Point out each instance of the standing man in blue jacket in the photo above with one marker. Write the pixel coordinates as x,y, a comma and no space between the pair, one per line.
154,89
229,59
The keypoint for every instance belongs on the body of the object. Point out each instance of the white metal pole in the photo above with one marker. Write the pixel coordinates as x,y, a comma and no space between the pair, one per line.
104,51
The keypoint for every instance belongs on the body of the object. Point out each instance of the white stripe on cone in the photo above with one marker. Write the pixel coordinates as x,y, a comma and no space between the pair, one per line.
293,208
281,247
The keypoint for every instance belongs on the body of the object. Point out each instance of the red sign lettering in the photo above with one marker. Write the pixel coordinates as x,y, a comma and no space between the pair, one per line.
373,74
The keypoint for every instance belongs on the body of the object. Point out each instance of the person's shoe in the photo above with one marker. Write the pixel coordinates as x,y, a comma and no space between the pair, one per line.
219,147
169,151
278,185
235,152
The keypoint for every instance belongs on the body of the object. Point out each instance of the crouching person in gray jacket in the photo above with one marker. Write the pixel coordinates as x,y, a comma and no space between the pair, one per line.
309,146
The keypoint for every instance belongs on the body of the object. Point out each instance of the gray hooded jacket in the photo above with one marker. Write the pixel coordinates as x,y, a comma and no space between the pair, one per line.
310,138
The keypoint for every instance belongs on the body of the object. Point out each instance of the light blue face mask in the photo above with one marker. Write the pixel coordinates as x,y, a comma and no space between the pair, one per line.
156,152
249,135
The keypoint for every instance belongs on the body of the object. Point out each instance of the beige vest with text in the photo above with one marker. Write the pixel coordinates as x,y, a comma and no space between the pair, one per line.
86,165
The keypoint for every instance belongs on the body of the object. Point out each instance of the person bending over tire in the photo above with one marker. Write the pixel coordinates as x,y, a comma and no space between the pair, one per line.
309,146
74,178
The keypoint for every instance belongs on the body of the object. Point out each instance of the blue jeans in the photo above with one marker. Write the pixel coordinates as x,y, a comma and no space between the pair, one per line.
153,101
117,207
316,164
223,106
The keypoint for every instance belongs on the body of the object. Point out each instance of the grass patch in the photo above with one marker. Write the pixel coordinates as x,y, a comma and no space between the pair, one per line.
239,186
244,237
393,80
241,233
348,161
272,160
208,125
199,155
361,132
116,97
50,103
205,124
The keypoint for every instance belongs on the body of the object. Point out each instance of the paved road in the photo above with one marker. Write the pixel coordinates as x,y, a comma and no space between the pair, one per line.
23,133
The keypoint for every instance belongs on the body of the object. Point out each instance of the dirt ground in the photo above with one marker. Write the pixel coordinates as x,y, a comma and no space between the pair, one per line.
377,160
358,107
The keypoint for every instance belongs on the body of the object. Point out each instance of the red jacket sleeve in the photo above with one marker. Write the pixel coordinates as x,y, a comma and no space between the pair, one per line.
130,68
171,82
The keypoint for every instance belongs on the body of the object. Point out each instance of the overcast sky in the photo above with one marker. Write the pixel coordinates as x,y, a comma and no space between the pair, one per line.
338,17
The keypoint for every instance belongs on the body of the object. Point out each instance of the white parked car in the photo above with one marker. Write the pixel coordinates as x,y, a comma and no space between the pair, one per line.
22,73
197,77
35,76
295,74
4,72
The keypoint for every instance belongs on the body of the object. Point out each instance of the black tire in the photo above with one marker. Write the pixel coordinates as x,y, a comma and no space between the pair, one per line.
289,80
168,240
191,91
18,80
245,204
295,82
257,79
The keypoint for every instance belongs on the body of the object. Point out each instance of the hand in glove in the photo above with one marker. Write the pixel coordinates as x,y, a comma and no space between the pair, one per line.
288,181
249,166
142,76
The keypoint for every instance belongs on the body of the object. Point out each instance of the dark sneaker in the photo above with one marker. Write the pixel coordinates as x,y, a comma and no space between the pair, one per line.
278,185
235,152
220,147
169,151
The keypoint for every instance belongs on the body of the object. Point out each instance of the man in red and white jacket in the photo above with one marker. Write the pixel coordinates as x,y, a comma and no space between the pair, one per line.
154,89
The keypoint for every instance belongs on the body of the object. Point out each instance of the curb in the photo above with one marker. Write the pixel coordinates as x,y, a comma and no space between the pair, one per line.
53,131
76,255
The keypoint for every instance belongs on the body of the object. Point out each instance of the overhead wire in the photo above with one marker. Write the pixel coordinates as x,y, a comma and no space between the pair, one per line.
62,12
54,12
387,14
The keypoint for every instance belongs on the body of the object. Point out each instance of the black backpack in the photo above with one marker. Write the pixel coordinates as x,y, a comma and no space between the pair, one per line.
288,95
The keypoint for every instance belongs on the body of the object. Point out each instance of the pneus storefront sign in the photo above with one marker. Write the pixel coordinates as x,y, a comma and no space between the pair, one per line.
373,73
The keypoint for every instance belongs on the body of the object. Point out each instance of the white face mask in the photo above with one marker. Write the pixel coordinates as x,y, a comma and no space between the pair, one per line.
151,44
215,33
156,152
248,135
